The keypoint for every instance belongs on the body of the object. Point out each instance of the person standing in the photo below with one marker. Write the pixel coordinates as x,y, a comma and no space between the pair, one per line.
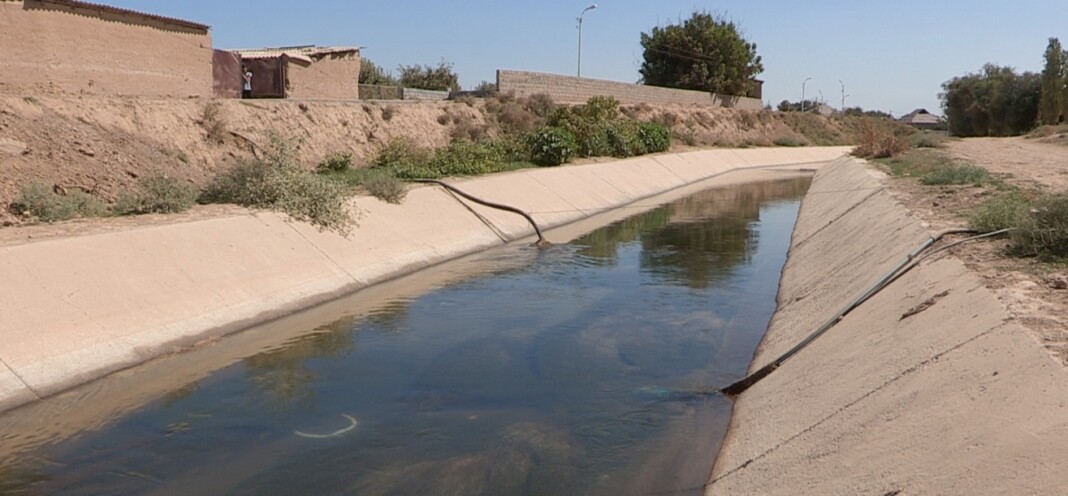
246,74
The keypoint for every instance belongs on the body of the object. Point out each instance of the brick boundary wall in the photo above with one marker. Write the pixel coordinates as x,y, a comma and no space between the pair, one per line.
571,89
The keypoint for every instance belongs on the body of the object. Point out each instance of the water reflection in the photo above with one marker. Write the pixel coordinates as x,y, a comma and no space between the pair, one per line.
572,375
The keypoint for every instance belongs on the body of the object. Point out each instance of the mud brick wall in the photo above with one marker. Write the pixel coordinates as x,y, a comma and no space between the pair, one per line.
333,76
570,89
55,46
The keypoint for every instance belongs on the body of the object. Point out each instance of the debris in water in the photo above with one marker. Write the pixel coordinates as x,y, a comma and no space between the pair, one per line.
332,434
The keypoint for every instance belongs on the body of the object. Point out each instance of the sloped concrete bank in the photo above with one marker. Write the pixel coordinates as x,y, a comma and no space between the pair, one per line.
77,308
927,388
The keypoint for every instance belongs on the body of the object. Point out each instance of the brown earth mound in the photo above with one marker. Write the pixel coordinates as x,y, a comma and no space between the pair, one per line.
103,144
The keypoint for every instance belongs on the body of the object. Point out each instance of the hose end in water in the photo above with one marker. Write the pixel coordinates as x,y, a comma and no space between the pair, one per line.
746,383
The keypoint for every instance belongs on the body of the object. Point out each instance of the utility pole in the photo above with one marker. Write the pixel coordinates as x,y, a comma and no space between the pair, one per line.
803,93
591,7
843,95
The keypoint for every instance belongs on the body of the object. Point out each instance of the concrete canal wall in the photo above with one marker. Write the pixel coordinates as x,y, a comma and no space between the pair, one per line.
73,309
927,388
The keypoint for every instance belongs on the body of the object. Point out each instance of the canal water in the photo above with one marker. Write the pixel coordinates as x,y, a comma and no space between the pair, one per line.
585,369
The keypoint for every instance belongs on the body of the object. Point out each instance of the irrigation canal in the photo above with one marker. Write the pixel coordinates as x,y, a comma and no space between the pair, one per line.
574,370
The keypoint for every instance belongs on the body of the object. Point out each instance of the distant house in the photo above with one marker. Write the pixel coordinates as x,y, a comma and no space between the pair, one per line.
921,119
297,72
74,46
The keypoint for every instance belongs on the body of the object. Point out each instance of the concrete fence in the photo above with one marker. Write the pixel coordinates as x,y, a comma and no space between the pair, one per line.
570,89
383,92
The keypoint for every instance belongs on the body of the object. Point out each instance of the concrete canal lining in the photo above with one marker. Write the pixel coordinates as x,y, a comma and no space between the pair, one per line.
927,388
73,309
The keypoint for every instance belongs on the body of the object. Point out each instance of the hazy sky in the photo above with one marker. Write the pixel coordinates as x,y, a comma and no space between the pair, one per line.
891,55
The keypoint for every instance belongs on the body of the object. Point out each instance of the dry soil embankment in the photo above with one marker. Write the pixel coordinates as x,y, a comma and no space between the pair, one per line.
104,144
927,388
75,308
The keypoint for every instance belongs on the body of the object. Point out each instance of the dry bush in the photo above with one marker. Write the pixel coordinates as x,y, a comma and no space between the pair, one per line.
45,204
666,119
540,104
156,194
748,120
465,127
877,140
214,122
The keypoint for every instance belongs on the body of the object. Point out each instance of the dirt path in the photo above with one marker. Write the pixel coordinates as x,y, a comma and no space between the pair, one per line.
1031,163
1034,293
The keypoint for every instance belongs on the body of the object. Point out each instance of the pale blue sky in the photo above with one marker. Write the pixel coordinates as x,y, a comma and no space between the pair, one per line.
892,56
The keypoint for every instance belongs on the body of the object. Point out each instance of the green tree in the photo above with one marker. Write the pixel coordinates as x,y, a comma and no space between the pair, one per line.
994,102
371,73
705,52
1051,104
440,78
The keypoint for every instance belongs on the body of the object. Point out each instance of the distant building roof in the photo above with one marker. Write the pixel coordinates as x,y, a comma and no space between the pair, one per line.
920,117
303,53
117,10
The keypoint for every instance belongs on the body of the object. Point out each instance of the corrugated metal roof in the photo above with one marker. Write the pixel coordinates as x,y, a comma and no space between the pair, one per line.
303,53
117,10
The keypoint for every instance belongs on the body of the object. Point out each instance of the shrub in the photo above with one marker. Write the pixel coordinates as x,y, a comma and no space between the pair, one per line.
335,162
927,140
878,141
386,187
540,104
466,128
552,146
459,158
787,141
276,181
956,174
624,139
1043,231
156,194
214,122
45,205
400,153
388,112
997,213
655,137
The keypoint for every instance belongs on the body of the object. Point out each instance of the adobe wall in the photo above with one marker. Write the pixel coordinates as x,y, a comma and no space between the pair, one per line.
54,47
333,76
570,89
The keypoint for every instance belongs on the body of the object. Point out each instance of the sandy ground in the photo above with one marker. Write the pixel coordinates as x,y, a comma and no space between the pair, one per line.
1033,292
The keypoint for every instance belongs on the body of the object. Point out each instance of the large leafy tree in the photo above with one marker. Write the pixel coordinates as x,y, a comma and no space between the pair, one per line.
706,52
994,102
1051,105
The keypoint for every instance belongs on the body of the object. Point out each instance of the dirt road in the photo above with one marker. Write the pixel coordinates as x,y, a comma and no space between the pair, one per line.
1033,292
1031,163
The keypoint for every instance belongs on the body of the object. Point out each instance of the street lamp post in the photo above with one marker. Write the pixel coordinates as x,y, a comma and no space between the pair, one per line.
843,95
803,93
587,9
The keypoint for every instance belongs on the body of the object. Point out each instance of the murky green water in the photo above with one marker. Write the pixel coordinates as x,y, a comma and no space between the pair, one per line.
576,374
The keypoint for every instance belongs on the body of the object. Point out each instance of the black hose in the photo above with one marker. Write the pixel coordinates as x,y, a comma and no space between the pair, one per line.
541,243
910,262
